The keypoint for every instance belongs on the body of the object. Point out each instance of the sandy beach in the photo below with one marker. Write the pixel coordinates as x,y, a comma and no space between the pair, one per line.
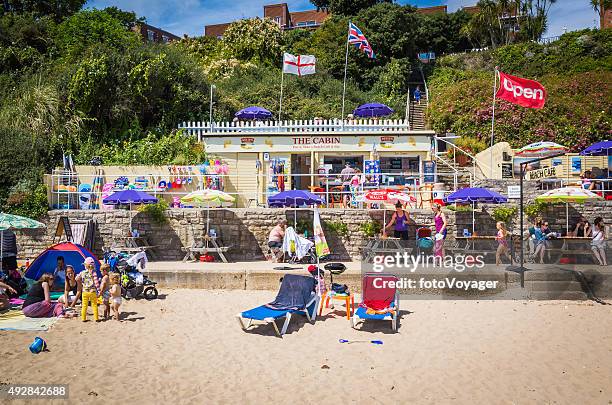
188,348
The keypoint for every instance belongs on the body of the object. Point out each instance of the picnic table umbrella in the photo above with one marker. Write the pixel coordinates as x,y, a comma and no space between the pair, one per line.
9,221
253,113
129,197
208,198
385,195
372,110
294,198
473,195
568,195
540,149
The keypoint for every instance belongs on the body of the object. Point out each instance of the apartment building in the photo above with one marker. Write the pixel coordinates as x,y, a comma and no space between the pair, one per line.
153,34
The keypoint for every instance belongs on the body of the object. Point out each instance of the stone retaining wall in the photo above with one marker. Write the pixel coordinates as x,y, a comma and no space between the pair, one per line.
246,230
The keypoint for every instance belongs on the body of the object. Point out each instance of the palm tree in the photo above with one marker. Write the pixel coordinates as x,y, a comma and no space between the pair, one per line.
600,7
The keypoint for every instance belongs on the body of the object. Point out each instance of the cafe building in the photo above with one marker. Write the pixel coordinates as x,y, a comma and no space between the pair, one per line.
264,158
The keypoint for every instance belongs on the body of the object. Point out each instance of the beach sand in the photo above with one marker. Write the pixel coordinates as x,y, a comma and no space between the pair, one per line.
189,348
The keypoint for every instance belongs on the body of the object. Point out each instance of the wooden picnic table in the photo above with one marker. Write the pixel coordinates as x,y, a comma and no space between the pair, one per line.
133,244
583,248
209,245
470,241
378,245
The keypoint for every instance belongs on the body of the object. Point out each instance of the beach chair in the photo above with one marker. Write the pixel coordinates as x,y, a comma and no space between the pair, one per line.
379,302
295,296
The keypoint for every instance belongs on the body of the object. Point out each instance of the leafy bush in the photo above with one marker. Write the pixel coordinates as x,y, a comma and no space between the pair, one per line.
338,227
371,228
534,209
28,200
156,211
176,148
504,214
459,208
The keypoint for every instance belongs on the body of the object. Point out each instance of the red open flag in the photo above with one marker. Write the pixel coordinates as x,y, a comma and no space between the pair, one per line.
524,92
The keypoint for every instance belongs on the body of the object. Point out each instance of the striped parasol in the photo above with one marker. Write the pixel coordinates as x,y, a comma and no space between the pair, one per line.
9,221
568,195
208,198
541,149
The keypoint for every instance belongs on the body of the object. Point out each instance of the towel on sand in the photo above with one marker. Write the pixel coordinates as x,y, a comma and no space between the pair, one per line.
16,320
294,293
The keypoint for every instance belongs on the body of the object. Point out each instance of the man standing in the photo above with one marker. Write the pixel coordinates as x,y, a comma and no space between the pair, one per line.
346,174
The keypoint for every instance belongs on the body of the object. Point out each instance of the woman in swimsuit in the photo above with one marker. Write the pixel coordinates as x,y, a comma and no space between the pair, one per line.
400,219
440,223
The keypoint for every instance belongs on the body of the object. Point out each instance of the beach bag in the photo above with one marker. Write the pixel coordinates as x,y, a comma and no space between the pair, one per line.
425,243
339,288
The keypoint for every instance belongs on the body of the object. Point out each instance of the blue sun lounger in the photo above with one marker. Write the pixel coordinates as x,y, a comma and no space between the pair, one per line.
375,287
295,296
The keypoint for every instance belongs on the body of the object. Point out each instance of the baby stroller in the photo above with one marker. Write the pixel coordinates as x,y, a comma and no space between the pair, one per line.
133,283
424,241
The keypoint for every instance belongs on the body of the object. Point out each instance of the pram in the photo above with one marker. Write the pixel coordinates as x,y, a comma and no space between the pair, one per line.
424,241
298,249
133,282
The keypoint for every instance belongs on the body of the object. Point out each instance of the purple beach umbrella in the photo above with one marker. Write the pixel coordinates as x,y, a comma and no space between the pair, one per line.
253,113
474,195
129,197
294,198
372,110
602,148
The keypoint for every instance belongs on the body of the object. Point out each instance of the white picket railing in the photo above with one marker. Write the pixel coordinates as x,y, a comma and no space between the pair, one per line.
200,128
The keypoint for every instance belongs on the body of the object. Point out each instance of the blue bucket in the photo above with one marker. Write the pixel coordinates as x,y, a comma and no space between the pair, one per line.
38,345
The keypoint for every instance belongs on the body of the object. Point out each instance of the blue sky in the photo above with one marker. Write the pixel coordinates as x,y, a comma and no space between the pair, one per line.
190,16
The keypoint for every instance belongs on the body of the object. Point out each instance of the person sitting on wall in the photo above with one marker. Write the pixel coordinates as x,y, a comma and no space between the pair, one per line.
275,239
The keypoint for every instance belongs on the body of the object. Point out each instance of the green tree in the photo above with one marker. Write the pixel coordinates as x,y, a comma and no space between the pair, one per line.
93,27
127,18
257,40
58,9
346,7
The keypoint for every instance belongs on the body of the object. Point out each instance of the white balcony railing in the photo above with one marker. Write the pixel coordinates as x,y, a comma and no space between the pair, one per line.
200,129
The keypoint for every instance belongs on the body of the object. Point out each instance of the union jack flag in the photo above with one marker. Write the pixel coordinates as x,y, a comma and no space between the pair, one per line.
357,38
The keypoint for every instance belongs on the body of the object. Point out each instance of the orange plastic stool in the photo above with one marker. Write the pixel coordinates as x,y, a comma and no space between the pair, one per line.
349,302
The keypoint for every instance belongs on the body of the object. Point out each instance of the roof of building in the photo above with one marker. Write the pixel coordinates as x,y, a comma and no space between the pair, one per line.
215,30
432,10
308,15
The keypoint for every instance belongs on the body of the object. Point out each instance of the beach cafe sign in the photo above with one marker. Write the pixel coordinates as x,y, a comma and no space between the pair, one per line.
545,173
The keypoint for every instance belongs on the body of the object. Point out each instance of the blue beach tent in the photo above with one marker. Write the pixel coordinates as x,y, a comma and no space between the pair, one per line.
73,254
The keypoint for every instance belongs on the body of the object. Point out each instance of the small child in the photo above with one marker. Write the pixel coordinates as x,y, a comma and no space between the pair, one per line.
502,248
104,287
115,294
90,287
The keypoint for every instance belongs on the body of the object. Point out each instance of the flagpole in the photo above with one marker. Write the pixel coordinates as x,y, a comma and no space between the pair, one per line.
493,122
345,66
280,110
